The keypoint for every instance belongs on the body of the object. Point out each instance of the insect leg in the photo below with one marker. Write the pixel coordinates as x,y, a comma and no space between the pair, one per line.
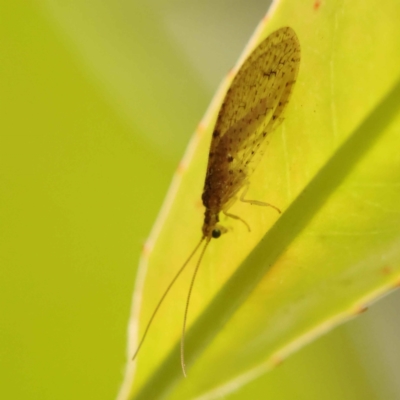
236,217
255,202
221,228
227,206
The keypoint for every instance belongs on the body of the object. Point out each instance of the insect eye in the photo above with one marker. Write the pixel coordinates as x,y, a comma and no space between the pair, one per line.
216,233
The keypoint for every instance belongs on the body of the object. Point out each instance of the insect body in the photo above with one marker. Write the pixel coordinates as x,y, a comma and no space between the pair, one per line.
252,109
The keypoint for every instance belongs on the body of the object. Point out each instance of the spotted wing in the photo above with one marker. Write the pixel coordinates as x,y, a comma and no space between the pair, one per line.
252,108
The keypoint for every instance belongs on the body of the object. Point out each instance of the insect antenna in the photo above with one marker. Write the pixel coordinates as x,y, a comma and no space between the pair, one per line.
187,306
164,296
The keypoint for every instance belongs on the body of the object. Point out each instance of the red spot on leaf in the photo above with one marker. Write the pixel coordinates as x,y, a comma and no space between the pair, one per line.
317,4
361,309
146,249
276,361
386,270
181,168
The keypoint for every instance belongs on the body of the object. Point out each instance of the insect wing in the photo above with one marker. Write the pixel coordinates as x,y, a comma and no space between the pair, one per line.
253,108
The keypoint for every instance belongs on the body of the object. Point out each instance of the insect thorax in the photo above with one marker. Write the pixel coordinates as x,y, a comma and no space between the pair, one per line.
211,219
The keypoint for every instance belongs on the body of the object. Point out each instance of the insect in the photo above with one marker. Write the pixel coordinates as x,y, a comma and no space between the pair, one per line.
252,109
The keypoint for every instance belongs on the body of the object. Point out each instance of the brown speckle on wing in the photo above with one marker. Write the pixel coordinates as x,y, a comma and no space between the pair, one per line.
252,108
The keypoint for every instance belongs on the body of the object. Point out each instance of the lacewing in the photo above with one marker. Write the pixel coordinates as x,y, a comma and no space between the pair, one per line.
253,107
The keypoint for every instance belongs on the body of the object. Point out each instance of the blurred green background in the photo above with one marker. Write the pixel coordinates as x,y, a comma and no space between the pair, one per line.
98,101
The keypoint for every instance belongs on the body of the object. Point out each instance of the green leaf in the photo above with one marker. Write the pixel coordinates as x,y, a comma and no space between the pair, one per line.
334,168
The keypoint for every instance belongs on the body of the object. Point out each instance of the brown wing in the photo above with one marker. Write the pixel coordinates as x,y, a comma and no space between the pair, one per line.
252,108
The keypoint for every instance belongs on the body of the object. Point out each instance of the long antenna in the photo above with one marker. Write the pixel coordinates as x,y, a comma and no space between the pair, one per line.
163,297
187,305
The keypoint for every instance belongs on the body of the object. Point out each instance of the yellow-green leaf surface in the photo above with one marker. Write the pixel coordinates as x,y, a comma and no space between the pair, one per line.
334,170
